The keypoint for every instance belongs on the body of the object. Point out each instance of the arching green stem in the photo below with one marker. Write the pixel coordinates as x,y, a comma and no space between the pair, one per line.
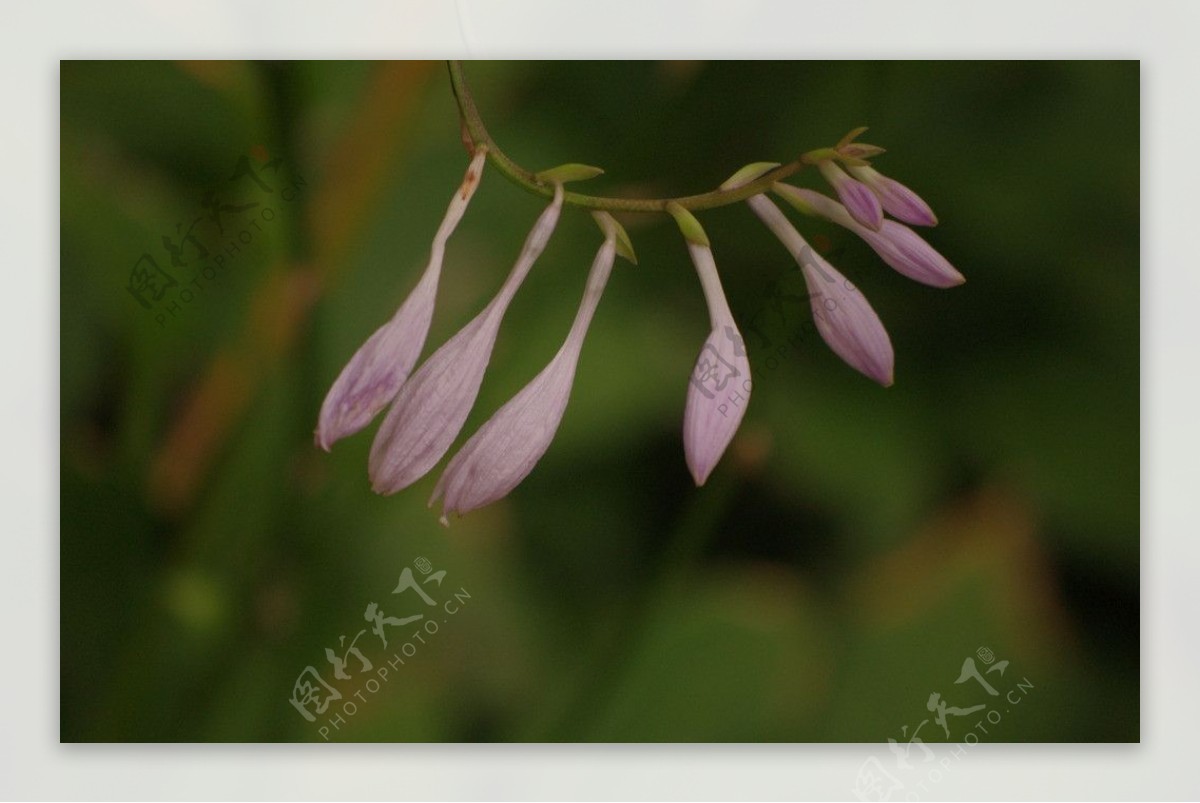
526,178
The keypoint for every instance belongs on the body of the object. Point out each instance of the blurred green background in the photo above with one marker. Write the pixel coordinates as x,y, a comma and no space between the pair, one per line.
855,546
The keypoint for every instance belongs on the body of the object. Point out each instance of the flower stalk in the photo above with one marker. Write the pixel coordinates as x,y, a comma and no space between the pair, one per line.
429,409
530,180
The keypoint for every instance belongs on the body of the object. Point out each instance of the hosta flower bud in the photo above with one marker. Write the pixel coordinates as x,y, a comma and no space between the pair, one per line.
433,405
860,202
380,366
897,200
506,448
843,316
720,385
897,245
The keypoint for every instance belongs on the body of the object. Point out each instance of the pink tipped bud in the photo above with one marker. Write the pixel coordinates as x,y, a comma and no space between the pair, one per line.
720,385
862,204
908,253
377,370
898,246
506,448
433,405
844,318
898,200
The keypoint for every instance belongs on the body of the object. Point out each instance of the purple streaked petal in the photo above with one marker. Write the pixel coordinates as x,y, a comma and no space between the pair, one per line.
862,204
717,396
506,448
843,315
908,253
432,406
375,373
899,246
847,322
720,385
898,200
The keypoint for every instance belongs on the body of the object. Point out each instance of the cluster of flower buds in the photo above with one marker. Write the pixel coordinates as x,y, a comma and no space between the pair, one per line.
429,408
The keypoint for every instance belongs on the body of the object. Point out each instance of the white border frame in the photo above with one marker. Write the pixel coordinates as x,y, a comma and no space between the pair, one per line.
36,36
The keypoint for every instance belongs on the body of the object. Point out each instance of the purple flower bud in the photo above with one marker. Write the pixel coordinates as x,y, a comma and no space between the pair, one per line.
904,250
506,448
844,318
862,204
898,245
898,200
431,407
377,370
720,385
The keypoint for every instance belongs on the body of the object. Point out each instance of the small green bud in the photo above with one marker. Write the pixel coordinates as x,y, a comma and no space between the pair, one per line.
819,155
859,150
748,173
792,195
693,232
568,172
851,136
607,222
